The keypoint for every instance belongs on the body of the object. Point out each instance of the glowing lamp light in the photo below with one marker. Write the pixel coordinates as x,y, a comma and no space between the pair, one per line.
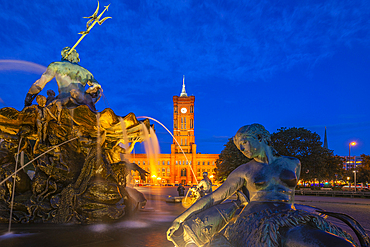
353,143
154,176
158,178
211,176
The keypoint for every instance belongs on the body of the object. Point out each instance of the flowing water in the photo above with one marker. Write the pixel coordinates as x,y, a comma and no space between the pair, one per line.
192,171
125,145
152,150
14,179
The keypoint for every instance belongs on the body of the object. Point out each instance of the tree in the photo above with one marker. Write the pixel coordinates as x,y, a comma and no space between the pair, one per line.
229,159
317,161
363,174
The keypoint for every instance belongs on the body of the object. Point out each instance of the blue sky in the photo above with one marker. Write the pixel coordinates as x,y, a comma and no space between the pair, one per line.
278,63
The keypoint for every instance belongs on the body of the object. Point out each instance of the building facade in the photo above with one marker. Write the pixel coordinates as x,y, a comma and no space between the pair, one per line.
352,162
183,165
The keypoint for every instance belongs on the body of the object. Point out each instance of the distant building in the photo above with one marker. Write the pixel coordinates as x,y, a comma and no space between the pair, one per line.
351,162
174,167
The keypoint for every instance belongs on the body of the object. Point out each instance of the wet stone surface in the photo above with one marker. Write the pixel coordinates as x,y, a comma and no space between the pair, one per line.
147,228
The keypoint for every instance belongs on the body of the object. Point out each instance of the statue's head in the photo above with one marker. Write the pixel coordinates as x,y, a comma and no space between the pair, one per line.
73,57
41,100
250,139
205,174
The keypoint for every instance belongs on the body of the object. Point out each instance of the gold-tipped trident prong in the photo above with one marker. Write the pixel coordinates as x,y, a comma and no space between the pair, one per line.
93,20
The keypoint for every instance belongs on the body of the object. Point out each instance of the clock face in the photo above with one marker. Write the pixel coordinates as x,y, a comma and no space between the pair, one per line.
183,110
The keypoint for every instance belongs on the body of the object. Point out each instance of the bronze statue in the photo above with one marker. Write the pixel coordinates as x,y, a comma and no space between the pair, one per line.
70,77
205,185
269,217
73,151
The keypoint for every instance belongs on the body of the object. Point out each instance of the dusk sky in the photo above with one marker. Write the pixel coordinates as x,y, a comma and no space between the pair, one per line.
277,63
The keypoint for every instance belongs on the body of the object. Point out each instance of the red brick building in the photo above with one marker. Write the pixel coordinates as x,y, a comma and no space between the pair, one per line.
175,168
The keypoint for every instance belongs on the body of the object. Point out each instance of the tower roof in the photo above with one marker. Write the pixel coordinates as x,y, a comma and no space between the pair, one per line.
325,140
183,91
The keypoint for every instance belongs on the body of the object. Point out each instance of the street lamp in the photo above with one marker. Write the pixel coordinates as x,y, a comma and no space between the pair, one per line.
349,152
355,178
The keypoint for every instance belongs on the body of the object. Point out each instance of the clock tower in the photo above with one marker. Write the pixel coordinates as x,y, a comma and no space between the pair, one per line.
183,122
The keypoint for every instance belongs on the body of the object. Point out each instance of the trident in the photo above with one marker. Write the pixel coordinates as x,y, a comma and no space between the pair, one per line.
93,20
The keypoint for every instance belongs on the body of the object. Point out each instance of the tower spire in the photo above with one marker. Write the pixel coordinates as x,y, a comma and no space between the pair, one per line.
325,140
183,92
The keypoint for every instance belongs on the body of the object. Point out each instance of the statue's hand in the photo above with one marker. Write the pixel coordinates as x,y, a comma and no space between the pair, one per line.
172,229
29,98
93,89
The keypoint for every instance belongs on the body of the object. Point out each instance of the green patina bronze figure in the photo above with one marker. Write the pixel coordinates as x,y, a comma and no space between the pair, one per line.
71,78
268,215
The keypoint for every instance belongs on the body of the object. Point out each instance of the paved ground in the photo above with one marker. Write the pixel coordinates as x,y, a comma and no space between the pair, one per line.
149,226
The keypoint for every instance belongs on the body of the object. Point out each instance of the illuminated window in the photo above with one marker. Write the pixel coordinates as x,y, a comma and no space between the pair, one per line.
183,172
198,172
176,162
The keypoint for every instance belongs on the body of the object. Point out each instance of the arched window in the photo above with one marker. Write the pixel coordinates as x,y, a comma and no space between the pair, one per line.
183,172
176,162
208,163
163,172
204,163
198,163
143,163
198,172
163,163
168,172
168,162
138,162
186,141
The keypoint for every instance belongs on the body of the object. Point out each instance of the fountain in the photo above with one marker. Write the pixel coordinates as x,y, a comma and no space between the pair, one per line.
74,151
